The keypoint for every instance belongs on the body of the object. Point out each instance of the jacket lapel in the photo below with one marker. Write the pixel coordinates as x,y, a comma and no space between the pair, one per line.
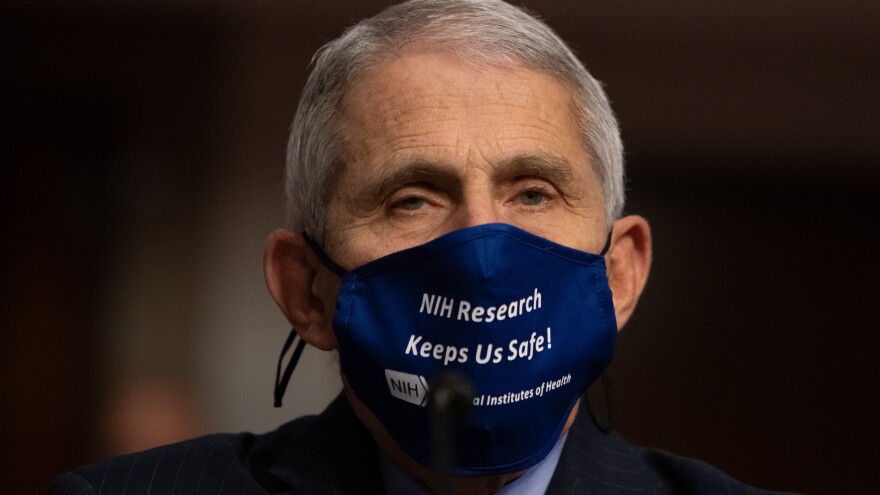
333,454
596,462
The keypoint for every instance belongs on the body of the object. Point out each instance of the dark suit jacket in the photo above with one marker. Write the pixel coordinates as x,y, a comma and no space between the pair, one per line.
333,453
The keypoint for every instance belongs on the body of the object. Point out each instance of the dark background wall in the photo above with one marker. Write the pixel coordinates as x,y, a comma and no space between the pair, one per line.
134,132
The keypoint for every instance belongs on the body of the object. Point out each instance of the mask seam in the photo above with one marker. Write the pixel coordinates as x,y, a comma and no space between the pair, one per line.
349,299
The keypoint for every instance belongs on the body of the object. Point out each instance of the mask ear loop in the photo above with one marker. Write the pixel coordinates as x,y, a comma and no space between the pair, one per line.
607,242
606,426
282,381
322,256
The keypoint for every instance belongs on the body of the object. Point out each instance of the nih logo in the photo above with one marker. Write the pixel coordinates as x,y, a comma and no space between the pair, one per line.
408,387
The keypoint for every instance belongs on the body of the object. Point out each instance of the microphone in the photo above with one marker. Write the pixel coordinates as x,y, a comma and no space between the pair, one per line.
450,399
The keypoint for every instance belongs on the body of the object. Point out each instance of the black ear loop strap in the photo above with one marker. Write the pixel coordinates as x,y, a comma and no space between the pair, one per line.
281,381
607,242
322,256
605,426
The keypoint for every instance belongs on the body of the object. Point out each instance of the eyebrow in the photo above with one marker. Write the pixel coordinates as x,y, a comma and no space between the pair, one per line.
393,176
548,166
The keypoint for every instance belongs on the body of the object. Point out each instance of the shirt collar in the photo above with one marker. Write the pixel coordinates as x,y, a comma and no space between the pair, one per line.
534,481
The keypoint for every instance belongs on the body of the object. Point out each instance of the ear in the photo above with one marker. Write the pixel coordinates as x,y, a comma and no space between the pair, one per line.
293,277
629,261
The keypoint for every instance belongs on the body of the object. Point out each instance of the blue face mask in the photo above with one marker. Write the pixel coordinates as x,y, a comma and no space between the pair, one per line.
530,323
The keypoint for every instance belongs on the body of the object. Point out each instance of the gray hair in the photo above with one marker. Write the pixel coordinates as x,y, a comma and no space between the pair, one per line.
479,32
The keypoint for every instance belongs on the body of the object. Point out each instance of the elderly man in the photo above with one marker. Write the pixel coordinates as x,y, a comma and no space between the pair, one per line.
455,187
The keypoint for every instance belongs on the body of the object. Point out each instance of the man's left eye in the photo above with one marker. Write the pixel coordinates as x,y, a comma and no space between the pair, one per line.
531,198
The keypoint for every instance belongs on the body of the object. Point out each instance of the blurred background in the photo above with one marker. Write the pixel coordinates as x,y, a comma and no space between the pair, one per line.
142,161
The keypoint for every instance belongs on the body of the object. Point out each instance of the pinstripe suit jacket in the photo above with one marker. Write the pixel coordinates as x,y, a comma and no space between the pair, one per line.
333,453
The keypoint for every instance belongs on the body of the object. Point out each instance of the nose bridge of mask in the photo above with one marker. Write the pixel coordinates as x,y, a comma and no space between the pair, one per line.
334,267
477,257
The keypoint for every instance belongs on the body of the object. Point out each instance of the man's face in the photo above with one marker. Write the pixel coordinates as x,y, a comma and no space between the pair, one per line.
435,146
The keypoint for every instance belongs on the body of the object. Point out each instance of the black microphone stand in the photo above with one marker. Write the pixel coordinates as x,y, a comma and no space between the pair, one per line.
450,398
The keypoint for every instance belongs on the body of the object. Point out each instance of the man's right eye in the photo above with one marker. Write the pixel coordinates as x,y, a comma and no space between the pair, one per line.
411,203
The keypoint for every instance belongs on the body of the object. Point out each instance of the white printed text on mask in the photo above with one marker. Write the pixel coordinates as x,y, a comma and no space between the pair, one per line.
437,305
490,353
